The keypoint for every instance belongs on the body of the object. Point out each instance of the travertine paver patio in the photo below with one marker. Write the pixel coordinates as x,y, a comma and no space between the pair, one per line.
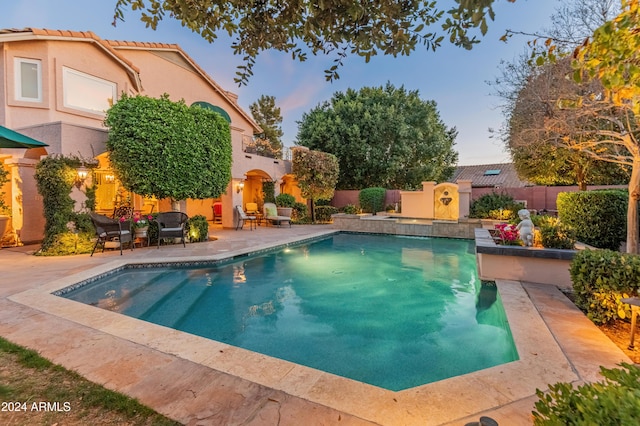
198,381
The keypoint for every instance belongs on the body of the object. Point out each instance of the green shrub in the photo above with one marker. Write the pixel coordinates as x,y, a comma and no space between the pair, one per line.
285,200
555,234
539,219
600,279
599,218
83,223
351,209
67,243
55,177
269,191
614,401
495,206
4,178
323,213
299,213
372,199
198,229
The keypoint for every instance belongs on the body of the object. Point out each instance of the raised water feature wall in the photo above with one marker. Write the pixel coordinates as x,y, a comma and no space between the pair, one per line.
400,225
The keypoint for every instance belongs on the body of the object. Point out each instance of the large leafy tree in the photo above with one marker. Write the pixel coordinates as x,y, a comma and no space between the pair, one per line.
612,55
529,94
542,134
317,174
267,115
332,27
601,119
382,136
167,149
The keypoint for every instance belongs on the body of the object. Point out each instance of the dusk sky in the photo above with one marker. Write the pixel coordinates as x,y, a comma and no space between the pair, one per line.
453,77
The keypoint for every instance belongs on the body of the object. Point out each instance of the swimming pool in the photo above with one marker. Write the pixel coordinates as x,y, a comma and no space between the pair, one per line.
389,311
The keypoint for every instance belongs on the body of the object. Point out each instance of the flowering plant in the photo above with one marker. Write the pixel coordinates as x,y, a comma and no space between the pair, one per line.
141,221
508,234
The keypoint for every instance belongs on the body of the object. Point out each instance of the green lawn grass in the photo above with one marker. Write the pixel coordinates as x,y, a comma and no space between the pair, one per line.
34,391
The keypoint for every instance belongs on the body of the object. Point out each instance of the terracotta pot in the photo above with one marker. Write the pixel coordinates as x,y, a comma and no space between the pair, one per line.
285,211
142,232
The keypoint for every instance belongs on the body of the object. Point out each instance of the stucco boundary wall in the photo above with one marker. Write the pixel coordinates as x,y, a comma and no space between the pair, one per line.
536,197
396,225
516,263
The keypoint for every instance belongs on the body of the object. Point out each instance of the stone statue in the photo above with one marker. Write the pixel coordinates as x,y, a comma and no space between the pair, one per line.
525,227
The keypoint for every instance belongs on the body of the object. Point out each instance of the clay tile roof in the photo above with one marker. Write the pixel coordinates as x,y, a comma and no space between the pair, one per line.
165,46
501,175
89,36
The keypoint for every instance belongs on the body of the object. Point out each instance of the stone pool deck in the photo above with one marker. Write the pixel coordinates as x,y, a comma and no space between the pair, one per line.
201,382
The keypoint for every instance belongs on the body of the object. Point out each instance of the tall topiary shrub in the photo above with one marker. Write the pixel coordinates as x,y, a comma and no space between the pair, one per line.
599,218
167,149
372,199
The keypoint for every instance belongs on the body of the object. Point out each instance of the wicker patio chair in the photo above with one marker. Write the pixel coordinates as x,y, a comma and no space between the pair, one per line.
111,230
171,225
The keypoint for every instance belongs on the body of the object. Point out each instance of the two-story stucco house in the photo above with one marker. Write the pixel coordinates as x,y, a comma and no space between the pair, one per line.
55,87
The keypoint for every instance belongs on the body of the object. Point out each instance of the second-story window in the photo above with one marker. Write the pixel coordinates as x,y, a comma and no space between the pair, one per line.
28,79
86,92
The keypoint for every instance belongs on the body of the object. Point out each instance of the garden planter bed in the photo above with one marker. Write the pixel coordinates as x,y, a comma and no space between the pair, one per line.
531,264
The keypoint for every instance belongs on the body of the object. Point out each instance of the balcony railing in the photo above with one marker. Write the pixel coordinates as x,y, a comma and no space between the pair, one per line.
263,148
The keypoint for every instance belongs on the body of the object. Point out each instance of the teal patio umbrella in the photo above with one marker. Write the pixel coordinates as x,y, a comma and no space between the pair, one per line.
12,139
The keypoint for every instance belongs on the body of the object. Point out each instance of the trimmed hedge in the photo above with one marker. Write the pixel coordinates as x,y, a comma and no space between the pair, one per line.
599,218
600,279
372,199
323,213
351,209
495,206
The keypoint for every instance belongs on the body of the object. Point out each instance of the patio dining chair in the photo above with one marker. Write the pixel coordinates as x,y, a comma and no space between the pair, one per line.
171,225
217,212
243,217
123,211
111,231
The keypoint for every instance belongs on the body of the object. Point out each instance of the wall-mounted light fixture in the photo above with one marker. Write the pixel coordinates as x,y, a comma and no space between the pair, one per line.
240,187
82,174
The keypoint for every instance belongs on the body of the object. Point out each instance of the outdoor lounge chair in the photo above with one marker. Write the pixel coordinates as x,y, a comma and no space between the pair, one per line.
171,225
111,231
271,215
243,217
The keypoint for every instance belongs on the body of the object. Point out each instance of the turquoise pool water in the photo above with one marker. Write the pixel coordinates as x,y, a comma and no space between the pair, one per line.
390,311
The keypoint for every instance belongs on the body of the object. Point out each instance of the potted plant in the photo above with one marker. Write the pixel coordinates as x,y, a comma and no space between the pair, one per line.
4,208
141,225
284,204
